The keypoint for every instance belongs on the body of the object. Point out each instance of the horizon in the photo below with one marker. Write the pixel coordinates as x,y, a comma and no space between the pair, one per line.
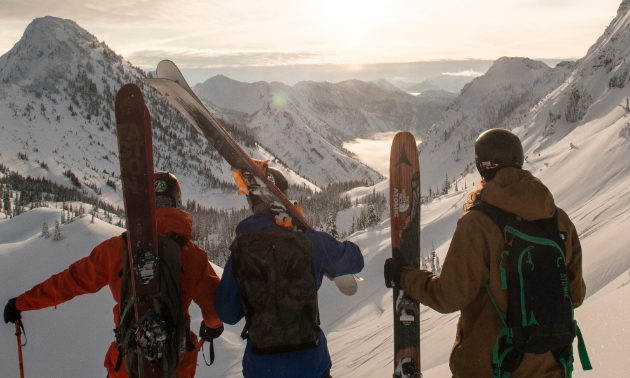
327,40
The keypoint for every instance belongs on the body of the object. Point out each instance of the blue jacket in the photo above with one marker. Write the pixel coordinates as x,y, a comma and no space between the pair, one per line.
330,256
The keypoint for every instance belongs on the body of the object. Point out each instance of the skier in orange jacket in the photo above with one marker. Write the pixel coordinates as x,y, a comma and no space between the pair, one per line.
103,265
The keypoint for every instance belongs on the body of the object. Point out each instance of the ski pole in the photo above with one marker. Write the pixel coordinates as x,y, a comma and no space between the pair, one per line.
200,344
18,332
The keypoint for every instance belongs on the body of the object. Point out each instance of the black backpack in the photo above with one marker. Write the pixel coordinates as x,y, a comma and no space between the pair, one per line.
169,312
539,318
276,275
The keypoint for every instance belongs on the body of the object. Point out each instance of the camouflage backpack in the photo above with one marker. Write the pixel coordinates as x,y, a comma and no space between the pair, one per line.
170,313
276,276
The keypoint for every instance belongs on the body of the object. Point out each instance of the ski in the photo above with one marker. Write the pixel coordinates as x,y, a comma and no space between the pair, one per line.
404,198
171,83
135,152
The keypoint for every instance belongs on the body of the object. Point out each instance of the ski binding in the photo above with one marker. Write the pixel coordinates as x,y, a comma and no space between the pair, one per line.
145,263
406,308
406,368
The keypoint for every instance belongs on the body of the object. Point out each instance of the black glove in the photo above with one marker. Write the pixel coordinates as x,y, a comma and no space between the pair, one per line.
208,333
11,312
393,269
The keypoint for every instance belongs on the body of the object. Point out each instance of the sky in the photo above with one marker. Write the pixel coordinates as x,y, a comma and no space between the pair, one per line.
242,34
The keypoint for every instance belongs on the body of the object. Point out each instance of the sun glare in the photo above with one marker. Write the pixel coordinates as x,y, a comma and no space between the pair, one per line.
351,19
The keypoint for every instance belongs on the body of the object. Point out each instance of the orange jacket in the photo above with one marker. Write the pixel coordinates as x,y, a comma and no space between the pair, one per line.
102,266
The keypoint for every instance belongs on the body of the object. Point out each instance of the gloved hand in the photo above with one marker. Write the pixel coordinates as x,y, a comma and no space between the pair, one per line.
393,269
208,333
11,312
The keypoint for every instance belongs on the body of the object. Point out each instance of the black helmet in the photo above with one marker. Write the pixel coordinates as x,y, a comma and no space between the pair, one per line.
279,180
496,149
166,185
274,175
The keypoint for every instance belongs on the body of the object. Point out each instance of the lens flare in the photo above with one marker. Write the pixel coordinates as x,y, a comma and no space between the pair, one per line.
279,100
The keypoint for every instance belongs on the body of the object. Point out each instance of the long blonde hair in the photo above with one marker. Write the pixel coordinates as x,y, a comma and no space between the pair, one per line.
474,196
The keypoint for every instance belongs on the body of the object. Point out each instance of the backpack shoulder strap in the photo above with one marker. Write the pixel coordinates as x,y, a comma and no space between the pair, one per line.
180,240
498,216
124,236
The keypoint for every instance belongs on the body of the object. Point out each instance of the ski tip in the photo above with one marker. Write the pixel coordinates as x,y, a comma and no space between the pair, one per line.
346,284
128,97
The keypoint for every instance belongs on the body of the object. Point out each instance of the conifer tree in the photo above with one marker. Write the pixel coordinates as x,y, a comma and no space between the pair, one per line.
45,232
57,235
7,202
434,261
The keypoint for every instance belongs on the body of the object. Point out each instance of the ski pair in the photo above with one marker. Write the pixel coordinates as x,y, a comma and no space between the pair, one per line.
171,83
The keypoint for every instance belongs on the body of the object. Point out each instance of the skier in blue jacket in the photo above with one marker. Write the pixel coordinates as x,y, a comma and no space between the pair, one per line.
330,257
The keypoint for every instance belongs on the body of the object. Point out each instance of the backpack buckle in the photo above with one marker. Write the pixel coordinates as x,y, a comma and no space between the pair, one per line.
505,237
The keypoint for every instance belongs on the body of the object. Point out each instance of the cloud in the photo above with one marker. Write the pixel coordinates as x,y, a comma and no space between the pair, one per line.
215,59
92,11
463,73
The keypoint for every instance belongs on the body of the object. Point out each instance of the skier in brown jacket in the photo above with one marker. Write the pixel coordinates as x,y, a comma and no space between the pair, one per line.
474,259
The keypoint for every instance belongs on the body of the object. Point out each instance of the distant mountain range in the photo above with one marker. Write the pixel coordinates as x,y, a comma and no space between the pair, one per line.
57,91
446,82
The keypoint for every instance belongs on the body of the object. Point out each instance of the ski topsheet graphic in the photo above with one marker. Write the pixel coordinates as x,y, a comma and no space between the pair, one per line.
173,86
135,151
404,197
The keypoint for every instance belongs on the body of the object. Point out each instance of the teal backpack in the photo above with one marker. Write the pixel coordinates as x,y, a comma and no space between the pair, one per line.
534,273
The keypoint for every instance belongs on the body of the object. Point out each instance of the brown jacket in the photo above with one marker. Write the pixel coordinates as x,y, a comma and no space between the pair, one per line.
473,260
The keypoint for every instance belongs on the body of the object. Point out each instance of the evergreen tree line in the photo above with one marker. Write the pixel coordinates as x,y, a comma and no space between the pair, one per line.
18,193
448,186
374,205
213,229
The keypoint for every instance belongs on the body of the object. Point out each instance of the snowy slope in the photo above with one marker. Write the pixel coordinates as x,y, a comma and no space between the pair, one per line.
69,341
359,328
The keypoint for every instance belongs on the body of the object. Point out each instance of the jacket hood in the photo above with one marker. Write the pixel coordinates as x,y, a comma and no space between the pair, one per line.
519,192
170,219
257,222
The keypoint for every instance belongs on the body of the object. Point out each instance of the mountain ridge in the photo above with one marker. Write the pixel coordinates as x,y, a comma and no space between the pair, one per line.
58,85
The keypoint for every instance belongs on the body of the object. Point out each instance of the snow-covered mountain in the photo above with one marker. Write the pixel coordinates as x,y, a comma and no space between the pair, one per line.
449,83
56,113
307,124
500,98
543,105
57,91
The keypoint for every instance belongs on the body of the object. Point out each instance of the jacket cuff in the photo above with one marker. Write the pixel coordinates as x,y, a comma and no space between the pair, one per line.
405,273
